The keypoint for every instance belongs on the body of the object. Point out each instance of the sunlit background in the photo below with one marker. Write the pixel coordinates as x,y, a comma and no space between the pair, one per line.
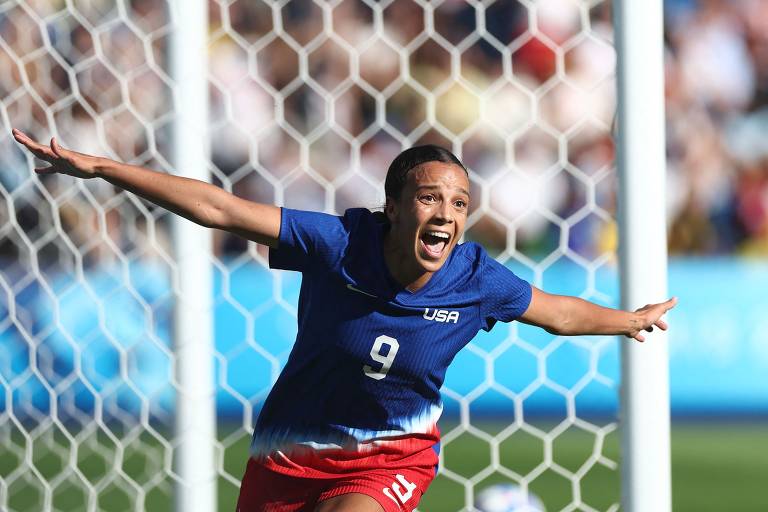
310,101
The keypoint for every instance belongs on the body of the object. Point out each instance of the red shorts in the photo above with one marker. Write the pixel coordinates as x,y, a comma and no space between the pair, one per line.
396,490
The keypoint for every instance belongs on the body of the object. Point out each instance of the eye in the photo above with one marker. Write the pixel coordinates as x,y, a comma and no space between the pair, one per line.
428,198
460,203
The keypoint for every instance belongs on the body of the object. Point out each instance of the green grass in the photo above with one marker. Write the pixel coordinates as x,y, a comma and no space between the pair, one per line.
715,466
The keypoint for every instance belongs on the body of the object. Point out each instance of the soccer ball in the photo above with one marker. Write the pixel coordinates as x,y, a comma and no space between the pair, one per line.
507,498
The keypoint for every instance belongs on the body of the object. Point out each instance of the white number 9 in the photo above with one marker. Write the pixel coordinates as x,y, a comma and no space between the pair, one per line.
385,360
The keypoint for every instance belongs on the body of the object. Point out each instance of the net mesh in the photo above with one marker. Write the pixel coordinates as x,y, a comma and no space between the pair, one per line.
310,101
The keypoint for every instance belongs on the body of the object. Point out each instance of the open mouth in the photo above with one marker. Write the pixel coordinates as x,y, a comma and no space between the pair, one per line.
434,243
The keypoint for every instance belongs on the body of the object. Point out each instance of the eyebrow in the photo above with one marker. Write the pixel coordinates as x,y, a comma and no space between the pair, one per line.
433,187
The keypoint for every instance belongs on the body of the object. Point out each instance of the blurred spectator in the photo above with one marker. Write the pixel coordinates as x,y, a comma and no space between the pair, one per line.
310,115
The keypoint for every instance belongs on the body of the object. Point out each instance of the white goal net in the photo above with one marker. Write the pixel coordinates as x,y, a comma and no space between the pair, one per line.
309,102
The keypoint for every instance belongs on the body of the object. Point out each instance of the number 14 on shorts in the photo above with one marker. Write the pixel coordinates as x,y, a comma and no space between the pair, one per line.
401,490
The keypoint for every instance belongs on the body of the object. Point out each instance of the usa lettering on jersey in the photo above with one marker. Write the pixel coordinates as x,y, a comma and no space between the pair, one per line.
441,315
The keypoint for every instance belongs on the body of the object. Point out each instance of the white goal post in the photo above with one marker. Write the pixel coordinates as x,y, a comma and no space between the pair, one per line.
137,348
646,464
195,425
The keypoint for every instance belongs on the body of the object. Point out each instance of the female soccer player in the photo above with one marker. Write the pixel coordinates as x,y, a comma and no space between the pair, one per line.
387,300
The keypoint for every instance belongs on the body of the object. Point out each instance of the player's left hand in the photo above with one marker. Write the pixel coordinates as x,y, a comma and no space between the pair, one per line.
649,316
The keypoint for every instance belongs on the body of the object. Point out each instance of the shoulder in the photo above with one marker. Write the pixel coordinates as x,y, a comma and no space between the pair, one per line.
326,223
473,260
314,239
472,254
361,217
464,268
363,226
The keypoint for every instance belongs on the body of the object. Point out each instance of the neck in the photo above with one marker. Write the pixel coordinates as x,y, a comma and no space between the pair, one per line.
402,267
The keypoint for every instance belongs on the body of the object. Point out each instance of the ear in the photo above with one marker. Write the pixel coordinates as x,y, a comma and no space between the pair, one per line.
390,210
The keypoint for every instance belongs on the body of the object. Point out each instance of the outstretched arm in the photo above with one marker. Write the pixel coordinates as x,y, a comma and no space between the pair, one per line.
200,202
564,315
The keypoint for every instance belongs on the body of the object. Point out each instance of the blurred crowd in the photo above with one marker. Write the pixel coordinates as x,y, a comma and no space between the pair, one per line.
717,115
310,112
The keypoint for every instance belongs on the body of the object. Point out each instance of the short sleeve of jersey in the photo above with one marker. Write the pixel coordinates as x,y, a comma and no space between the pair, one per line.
505,296
308,239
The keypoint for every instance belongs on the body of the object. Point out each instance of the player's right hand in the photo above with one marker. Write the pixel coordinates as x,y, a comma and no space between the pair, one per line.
63,161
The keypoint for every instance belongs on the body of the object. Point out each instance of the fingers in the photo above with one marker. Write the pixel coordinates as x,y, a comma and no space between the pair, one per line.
23,138
58,150
61,153
17,134
658,322
661,324
651,314
59,158
666,305
39,150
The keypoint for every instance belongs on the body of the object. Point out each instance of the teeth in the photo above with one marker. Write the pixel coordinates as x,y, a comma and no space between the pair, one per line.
439,234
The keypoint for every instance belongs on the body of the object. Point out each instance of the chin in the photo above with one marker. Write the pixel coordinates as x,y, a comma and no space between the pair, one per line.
431,265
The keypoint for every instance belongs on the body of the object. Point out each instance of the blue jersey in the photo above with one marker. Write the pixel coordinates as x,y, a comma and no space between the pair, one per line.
370,356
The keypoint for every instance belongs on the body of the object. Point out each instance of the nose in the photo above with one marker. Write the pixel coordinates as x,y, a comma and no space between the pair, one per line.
444,213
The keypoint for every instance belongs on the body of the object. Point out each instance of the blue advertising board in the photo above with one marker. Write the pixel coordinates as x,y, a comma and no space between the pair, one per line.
78,343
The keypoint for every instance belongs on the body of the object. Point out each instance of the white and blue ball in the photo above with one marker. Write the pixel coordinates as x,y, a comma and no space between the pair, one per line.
507,498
